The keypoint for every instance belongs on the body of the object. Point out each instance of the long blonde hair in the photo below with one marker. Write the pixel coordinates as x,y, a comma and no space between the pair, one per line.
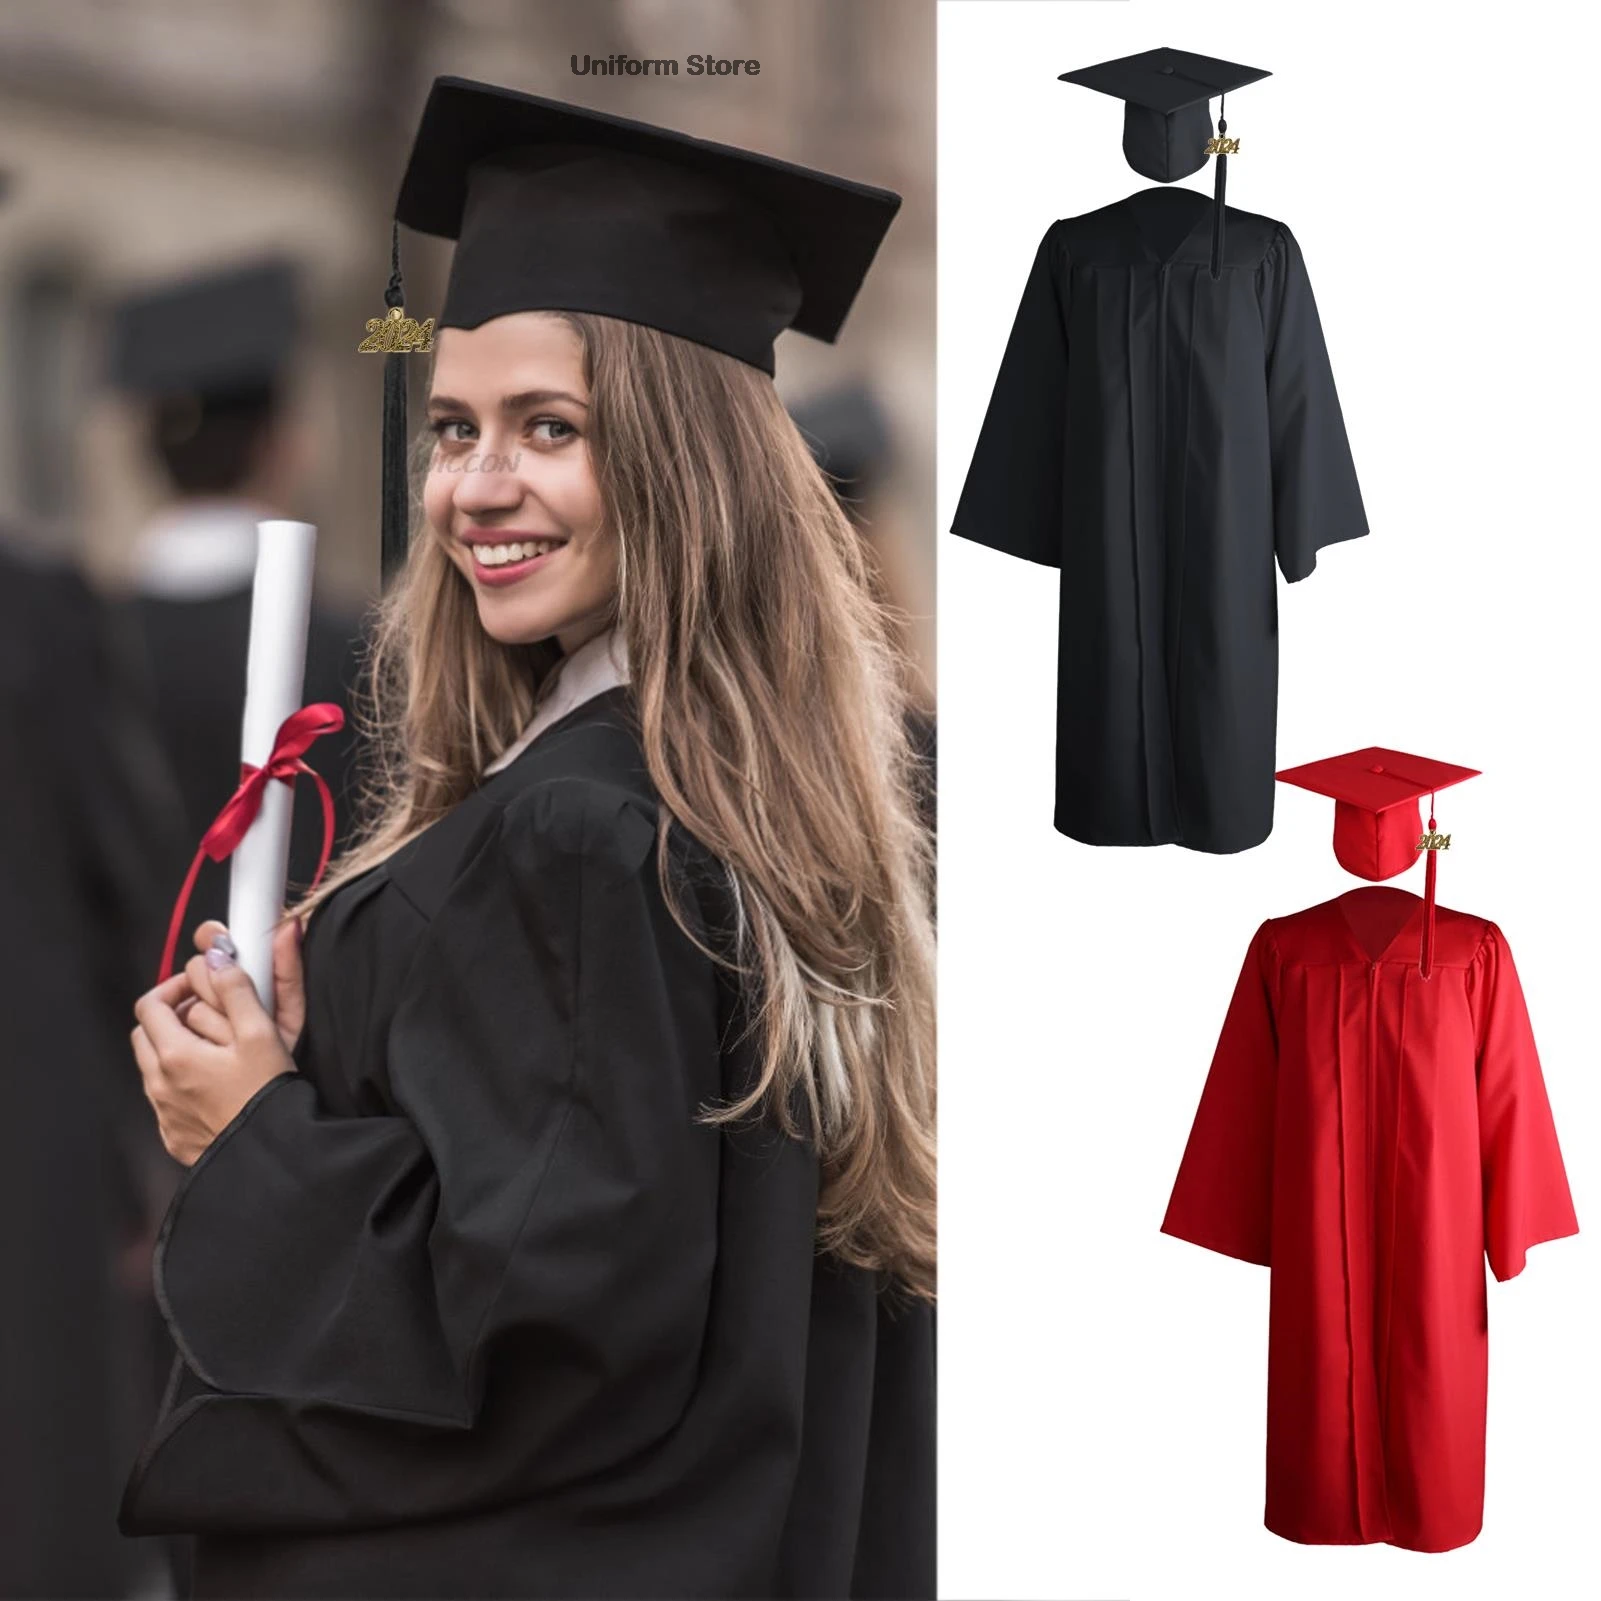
774,703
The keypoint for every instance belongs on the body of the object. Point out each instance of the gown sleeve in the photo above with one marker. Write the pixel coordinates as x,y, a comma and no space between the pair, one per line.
1316,499
1526,1198
1012,499
543,1192
1223,1196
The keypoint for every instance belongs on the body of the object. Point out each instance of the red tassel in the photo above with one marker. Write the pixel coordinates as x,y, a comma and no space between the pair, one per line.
1426,955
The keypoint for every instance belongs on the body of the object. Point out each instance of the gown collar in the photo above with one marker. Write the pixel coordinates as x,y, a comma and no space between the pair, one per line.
1165,221
597,665
198,550
1375,917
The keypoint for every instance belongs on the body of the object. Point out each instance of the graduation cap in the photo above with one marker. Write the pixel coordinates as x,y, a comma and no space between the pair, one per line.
211,336
555,207
1378,828
1167,118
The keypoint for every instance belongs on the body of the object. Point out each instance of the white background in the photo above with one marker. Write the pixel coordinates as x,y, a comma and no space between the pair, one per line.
1102,1387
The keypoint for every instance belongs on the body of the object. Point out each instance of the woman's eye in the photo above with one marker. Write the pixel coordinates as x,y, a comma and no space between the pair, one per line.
452,430
553,429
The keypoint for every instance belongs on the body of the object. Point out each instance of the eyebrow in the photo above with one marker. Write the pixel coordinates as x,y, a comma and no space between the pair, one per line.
510,403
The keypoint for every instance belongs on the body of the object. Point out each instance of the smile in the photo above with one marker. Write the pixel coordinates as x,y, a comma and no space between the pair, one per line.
515,559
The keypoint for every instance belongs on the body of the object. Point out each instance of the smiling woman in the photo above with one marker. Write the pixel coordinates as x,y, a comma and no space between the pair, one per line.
535,497
582,1242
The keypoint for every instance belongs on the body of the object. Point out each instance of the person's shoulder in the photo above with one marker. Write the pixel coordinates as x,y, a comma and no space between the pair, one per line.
1467,939
1252,237
46,590
582,788
1086,238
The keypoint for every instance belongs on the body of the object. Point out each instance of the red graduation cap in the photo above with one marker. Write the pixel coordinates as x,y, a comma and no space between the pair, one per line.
1378,828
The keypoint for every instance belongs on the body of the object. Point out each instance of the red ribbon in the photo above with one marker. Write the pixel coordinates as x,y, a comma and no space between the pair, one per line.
295,736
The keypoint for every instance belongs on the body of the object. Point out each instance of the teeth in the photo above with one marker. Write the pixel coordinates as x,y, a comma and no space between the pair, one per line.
526,550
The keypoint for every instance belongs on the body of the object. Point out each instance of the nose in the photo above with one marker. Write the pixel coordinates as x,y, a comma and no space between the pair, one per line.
486,483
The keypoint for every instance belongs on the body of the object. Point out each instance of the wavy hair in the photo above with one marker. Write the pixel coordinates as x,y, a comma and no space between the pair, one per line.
775,705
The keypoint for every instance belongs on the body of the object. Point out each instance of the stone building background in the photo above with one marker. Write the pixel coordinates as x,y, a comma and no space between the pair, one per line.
140,141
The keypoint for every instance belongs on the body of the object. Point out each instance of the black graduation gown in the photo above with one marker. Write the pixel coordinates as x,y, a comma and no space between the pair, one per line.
1160,436
471,1305
83,805
195,653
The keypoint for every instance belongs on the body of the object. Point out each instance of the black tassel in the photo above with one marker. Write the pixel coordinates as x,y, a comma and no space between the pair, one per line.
394,523
1219,189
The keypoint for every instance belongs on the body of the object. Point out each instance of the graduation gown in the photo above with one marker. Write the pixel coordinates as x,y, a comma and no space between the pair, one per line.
472,1305
1160,437
83,807
1372,1136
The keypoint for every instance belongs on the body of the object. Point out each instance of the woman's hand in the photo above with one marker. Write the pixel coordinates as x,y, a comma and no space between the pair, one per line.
288,981
205,1043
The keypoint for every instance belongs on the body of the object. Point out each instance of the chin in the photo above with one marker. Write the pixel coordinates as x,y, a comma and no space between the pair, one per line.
514,625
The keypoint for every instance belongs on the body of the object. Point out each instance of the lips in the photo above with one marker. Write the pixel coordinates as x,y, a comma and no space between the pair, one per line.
497,560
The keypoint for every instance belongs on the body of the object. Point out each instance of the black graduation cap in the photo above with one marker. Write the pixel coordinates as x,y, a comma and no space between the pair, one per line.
1167,121
557,207
215,334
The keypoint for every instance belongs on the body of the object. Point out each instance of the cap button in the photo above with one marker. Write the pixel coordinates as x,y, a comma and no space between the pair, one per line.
1378,767
1168,71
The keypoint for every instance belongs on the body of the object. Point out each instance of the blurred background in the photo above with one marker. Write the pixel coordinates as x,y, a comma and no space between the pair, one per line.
144,142
143,145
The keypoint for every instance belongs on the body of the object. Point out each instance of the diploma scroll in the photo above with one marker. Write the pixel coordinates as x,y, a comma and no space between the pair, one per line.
280,613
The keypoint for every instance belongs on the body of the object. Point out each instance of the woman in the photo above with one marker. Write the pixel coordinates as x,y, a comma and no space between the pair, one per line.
572,1232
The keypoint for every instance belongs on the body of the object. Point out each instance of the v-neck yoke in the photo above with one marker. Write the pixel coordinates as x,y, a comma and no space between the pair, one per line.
1359,940
596,705
1147,201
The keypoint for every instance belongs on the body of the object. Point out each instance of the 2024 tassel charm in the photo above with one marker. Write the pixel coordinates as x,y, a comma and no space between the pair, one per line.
1221,147
1432,842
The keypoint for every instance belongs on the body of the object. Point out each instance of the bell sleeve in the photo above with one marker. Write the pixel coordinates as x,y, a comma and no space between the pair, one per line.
1316,499
1012,498
1526,1198
1223,1196
543,1192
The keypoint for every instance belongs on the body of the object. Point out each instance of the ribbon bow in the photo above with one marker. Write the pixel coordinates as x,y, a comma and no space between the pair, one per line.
295,736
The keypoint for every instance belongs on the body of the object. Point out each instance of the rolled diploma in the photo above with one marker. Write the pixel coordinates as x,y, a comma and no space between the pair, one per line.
280,611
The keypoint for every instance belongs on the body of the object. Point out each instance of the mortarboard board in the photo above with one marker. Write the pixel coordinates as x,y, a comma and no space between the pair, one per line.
1167,121
216,333
1378,829
556,207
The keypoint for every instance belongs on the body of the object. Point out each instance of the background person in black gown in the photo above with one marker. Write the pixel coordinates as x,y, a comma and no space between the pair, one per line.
208,359
86,814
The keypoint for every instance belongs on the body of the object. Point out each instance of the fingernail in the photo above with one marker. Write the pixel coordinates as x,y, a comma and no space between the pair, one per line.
224,942
222,953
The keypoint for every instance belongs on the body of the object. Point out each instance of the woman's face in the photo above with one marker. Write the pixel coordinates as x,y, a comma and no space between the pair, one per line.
511,489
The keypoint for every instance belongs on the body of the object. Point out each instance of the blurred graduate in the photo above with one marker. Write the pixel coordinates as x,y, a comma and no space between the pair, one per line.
569,1228
85,814
207,360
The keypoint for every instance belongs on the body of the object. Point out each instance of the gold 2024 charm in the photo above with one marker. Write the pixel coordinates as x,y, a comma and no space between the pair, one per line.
397,334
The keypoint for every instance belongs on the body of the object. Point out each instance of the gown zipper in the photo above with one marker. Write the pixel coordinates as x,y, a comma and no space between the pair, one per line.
1373,1238
1160,506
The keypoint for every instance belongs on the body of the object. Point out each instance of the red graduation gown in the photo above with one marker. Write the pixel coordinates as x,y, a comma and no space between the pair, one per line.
1371,1136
